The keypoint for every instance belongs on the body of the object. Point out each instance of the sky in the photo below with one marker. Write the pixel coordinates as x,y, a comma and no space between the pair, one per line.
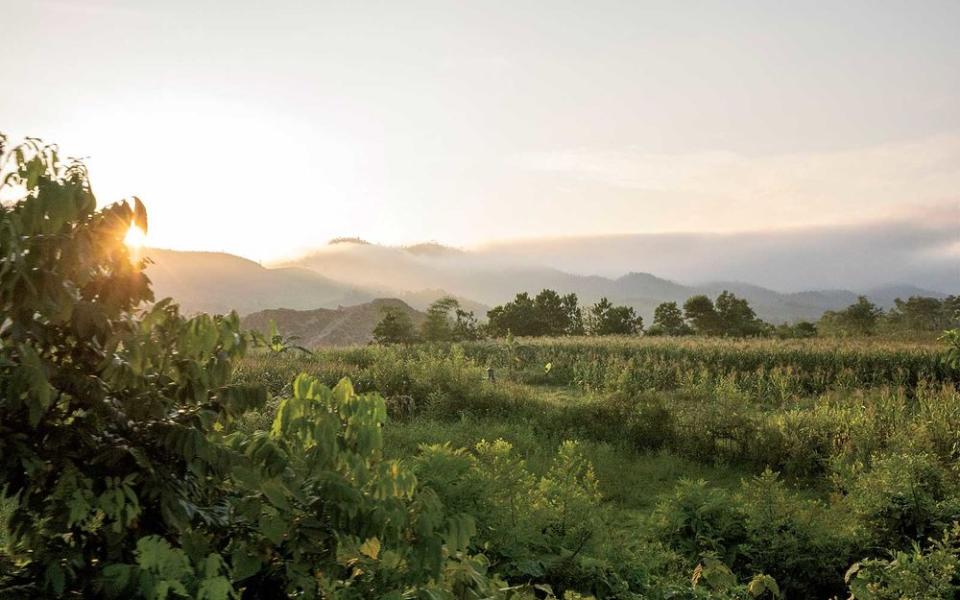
265,129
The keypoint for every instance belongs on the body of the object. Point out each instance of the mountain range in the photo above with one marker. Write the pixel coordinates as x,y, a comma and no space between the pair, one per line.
353,272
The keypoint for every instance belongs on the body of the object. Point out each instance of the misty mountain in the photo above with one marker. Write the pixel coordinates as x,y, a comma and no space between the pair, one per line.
490,279
217,282
350,273
921,250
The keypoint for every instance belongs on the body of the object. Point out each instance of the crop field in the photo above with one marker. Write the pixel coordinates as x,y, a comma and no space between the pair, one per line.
629,467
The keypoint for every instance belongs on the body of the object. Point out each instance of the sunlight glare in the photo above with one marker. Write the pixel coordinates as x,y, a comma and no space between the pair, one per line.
135,238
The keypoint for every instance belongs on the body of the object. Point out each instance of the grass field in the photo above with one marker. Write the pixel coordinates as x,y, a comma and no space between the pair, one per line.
789,459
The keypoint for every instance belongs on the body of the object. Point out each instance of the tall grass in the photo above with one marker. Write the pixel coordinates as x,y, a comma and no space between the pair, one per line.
765,370
794,407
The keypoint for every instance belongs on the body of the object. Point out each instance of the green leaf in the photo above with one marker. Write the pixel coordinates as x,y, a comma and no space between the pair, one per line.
117,579
54,577
276,492
273,527
215,588
245,563
41,393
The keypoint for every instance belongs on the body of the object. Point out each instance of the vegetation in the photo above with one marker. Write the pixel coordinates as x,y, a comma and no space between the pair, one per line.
395,327
146,454
668,320
606,319
124,469
448,322
551,315
917,315
845,450
547,314
860,318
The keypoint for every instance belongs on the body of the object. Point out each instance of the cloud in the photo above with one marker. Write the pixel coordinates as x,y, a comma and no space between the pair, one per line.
919,247
724,191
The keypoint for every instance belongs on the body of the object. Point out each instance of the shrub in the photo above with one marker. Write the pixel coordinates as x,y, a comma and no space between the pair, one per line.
698,520
919,574
903,499
804,545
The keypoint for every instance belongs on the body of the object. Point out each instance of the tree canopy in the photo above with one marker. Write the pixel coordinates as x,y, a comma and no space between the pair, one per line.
668,320
547,314
395,327
605,318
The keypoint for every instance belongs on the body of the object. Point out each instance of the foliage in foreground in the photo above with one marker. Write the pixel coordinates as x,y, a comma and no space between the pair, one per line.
119,453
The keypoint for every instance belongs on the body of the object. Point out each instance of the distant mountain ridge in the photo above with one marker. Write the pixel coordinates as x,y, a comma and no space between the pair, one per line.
218,282
344,326
351,274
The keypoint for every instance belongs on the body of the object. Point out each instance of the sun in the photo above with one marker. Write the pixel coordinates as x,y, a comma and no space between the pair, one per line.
135,238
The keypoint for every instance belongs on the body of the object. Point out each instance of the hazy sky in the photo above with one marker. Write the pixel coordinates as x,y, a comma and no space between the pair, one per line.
264,127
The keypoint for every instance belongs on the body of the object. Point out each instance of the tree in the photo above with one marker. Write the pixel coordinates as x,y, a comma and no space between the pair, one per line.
395,327
100,399
548,313
920,313
438,326
800,330
735,316
574,316
517,317
860,318
465,326
701,315
668,319
557,315
607,319
448,322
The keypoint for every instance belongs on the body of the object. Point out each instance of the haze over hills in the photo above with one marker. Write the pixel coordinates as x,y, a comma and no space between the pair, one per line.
920,248
218,282
353,272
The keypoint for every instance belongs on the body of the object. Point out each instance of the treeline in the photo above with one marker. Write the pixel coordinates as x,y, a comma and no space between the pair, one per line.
730,316
917,314
550,314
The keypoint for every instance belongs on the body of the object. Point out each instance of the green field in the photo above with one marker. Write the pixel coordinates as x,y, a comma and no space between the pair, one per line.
789,459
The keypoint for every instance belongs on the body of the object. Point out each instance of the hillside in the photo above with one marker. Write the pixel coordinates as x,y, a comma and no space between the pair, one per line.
323,327
218,282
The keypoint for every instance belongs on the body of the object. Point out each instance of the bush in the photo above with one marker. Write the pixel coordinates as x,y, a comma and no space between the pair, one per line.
698,520
548,529
804,545
919,574
904,499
